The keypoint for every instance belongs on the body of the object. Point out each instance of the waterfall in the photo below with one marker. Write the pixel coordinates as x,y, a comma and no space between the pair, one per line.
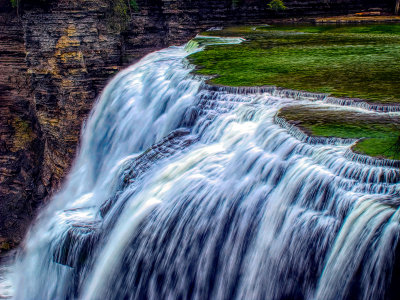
185,191
6,272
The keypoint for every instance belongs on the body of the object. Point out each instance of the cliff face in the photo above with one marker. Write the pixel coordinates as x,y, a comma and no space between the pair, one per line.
20,141
56,58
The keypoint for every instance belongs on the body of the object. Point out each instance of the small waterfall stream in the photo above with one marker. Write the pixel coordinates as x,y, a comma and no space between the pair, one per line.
6,273
185,191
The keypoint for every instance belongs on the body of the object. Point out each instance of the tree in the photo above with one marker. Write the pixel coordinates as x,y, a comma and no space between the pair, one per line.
277,5
15,4
397,9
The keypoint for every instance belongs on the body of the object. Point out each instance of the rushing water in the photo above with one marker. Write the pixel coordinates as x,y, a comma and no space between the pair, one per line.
6,273
182,191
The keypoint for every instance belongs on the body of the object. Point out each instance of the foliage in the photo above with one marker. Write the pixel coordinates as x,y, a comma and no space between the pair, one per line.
134,5
235,3
14,3
17,4
276,5
119,15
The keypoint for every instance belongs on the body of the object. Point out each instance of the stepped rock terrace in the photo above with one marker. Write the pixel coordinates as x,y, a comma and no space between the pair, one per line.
347,65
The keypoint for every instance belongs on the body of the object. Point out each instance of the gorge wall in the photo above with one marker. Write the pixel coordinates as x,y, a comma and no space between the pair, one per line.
55,58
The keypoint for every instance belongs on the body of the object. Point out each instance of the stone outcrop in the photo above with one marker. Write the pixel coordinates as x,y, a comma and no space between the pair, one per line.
20,141
55,58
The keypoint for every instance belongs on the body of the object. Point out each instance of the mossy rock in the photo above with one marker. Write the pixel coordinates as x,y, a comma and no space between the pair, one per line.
23,134
378,134
4,246
343,61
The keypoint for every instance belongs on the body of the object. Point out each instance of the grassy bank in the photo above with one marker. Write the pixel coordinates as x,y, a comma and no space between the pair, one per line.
344,61
347,61
377,133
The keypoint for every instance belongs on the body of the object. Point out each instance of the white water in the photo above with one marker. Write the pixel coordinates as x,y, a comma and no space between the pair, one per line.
230,206
5,283
6,274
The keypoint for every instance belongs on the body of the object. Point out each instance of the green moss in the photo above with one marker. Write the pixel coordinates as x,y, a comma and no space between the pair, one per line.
337,29
134,5
23,134
119,14
276,5
4,246
378,147
345,61
377,133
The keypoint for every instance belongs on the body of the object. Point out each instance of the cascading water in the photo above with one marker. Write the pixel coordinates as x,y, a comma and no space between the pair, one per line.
6,289
182,191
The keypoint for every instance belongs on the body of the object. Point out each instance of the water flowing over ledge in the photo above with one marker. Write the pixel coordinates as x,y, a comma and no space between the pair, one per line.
300,95
373,161
378,107
349,154
273,90
182,190
312,140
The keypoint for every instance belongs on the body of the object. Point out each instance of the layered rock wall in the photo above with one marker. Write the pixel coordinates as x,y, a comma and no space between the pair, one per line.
20,139
56,57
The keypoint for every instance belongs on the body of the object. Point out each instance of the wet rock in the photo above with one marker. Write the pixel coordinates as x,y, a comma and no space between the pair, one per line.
75,246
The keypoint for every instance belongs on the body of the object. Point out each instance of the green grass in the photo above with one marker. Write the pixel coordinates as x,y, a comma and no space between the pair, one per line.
344,61
378,134
378,147
364,29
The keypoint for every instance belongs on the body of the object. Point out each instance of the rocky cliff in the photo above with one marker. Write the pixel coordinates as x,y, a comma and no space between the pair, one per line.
55,57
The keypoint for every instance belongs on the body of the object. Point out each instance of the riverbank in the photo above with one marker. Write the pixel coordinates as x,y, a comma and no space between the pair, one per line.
351,65
343,61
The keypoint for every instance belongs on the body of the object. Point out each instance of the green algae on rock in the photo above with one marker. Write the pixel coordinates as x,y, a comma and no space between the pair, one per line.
377,133
343,61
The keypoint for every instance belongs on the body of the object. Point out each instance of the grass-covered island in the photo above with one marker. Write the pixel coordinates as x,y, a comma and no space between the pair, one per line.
378,133
352,61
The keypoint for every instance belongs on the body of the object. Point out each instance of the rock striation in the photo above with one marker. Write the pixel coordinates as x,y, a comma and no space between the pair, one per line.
20,139
55,58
